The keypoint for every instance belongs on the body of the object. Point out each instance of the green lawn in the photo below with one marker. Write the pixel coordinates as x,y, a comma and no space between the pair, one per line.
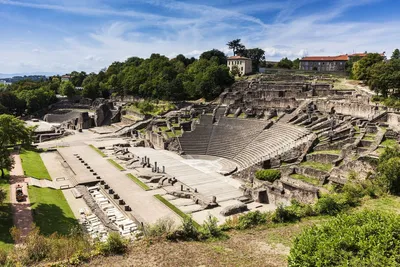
174,208
98,151
305,179
116,165
51,211
317,165
138,182
33,165
6,221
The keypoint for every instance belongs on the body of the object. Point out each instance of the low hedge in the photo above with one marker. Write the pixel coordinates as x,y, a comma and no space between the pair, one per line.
268,175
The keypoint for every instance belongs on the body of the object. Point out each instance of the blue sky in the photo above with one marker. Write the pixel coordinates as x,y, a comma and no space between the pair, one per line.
65,35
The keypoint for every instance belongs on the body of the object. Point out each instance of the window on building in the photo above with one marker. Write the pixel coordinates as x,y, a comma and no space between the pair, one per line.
242,68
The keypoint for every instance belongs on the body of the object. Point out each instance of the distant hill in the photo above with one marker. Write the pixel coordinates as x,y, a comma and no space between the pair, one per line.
11,75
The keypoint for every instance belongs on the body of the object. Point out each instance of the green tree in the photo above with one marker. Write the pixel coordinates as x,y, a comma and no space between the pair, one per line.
396,54
296,64
214,53
349,65
236,46
389,169
285,63
67,89
235,71
37,99
12,131
257,55
361,67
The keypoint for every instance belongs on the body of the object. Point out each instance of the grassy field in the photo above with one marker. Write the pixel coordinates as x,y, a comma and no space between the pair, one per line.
98,151
174,208
317,165
305,179
33,165
261,246
138,182
116,165
6,220
51,211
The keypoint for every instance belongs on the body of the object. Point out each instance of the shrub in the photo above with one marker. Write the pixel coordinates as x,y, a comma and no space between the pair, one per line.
362,239
328,205
162,228
283,214
188,231
210,228
251,219
301,210
115,244
268,175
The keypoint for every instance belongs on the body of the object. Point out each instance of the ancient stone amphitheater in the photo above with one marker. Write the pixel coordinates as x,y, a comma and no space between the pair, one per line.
303,126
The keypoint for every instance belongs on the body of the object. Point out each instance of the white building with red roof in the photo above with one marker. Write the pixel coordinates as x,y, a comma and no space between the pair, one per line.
328,63
242,63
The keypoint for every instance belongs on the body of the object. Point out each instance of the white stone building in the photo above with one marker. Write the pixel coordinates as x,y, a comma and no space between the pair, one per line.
243,63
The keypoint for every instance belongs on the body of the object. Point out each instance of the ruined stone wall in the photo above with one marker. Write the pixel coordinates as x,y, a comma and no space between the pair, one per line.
393,120
354,109
156,139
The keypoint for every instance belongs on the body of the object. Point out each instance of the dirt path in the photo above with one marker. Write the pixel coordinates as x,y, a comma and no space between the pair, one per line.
22,214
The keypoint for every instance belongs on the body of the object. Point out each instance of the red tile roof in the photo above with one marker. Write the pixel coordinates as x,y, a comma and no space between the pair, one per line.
335,58
238,57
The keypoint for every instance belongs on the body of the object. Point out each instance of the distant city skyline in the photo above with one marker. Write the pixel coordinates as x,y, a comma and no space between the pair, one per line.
60,36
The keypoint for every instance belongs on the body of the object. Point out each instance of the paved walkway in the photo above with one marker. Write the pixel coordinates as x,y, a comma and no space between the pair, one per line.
22,214
144,206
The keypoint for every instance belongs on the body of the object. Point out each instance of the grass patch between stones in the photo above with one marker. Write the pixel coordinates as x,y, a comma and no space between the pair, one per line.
306,179
116,165
174,208
98,151
317,165
33,165
138,182
333,152
51,211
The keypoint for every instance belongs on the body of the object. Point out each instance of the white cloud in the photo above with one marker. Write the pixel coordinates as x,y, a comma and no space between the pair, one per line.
208,27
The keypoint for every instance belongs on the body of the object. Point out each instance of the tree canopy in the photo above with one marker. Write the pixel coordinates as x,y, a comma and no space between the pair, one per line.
236,46
285,63
214,53
12,131
396,54
67,89
361,67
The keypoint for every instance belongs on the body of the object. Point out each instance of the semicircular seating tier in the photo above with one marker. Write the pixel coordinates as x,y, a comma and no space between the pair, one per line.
243,141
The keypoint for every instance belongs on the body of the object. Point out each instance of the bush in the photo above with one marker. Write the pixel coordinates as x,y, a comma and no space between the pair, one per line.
282,215
328,205
251,219
268,175
115,244
210,228
162,228
362,239
301,210
188,231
